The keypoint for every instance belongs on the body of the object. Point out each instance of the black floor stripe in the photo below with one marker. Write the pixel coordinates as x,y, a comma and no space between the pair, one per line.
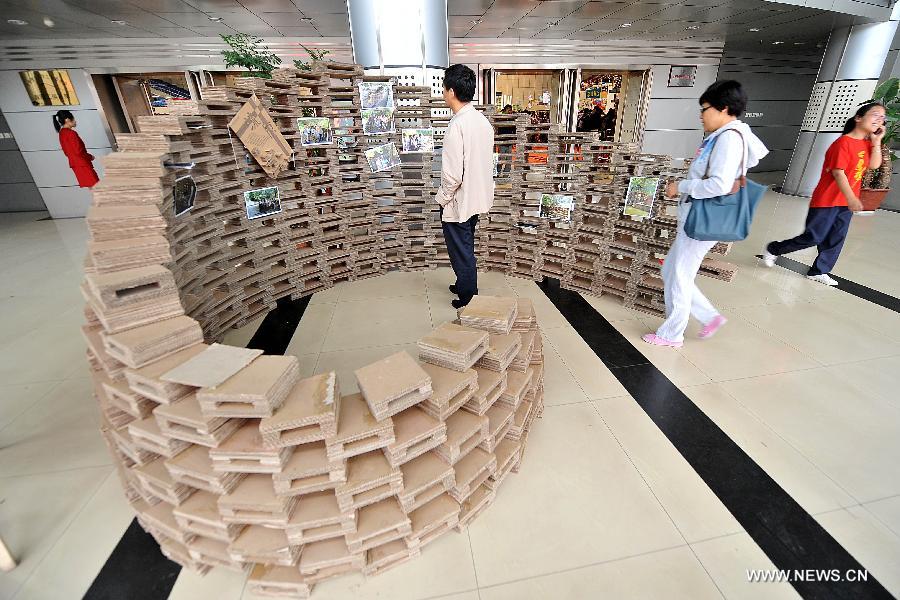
789,536
137,569
845,285
277,329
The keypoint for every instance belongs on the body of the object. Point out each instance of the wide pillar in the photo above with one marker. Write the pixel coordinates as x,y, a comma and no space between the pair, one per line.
407,39
849,73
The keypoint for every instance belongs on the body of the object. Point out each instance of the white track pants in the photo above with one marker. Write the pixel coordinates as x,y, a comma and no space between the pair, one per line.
683,297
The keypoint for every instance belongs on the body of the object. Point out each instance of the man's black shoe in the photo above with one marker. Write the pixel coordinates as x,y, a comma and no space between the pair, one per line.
458,303
453,289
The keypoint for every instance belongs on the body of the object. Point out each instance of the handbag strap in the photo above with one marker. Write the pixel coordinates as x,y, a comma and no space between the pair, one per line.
743,178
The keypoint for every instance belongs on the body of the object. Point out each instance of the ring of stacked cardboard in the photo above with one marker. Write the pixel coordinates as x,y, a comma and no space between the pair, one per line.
231,459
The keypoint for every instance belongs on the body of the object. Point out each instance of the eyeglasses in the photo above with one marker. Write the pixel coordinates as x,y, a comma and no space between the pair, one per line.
704,109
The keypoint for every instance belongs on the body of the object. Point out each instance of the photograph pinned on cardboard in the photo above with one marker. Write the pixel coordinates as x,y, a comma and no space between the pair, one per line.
640,196
496,160
376,94
342,122
262,202
383,158
418,140
184,191
378,120
557,206
314,131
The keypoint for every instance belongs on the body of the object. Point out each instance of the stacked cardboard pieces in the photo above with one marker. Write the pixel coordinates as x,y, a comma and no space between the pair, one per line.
233,460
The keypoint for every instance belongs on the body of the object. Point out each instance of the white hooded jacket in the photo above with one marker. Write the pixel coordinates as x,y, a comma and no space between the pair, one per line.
723,153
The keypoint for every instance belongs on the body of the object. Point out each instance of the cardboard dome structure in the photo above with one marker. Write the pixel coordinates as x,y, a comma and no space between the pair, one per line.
284,187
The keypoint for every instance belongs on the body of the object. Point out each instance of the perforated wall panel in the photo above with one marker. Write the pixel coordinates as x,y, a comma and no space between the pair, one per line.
816,106
843,100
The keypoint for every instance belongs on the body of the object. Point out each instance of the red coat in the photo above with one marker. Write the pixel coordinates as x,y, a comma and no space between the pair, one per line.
79,158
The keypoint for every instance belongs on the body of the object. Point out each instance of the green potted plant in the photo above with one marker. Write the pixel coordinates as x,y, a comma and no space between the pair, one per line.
314,54
248,51
877,182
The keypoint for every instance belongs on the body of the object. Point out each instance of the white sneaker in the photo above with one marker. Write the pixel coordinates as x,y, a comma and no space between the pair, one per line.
768,259
823,278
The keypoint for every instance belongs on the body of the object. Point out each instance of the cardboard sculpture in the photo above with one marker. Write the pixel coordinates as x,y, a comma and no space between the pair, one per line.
232,459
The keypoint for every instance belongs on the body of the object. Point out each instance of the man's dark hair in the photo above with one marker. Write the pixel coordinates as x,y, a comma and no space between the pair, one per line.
460,79
726,94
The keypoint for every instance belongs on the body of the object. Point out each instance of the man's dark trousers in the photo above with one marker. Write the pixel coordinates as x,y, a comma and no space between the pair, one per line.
460,239
826,228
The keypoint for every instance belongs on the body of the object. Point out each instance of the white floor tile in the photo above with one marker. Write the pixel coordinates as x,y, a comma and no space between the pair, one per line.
577,501
35,510
670,574
60,431
870,542
727,560
589,371
220,584
18,398
887,511
852,436
68,570
801,478
689,502
310,333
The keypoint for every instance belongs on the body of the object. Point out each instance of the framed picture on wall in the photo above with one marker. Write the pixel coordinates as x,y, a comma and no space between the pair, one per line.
682,75
49,88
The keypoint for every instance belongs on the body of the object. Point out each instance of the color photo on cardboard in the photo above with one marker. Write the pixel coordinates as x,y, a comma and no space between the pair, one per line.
314,131
383,158
376,94
49,88
262,202
640,196
184,192
557,206
418,140
378,120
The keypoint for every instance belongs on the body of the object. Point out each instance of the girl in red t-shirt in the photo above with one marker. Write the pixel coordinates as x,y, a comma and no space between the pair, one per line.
836,197
72,146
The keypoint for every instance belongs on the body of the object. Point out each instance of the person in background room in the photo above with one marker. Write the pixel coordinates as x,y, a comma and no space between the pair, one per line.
728,155
467,178
72,146
836,197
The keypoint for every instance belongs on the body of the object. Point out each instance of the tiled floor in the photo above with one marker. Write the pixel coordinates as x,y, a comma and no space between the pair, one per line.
803,379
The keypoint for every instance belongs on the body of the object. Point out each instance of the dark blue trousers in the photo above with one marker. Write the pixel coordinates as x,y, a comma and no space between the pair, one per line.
460,239
826,228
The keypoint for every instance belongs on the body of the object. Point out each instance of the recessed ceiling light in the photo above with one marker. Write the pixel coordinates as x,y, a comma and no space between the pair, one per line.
692,27
307,19
476,21
625,25
754,29
776,43
216,19
48,22
120,22
799,43
16,22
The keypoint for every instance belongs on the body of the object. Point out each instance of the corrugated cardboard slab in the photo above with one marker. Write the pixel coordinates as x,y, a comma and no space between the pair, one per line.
212,366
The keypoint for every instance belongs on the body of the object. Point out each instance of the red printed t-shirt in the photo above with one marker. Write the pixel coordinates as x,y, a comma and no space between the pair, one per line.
852,157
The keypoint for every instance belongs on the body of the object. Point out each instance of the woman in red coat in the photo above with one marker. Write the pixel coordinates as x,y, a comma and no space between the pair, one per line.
74,149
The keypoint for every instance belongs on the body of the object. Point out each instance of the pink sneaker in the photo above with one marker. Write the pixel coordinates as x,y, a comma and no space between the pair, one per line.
652,338
712,327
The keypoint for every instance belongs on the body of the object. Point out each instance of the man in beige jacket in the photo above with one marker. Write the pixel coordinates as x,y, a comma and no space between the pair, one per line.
467,179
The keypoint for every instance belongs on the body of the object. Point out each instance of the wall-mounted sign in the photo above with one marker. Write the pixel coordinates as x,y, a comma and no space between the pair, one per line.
682,76
49,88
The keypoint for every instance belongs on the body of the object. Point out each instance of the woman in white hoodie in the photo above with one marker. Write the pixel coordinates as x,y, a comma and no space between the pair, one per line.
729,151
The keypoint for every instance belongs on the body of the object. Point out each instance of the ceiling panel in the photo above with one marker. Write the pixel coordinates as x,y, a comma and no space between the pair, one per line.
638,10
188,19
298,32
280,20
319,7
556,9
599,9
467,7
267,6
159,5
506,9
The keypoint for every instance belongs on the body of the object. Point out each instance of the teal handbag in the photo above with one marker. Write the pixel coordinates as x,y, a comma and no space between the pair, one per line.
725,218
